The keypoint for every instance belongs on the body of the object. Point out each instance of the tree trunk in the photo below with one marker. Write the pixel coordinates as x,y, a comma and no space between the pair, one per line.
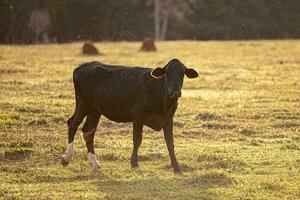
165,20
157,19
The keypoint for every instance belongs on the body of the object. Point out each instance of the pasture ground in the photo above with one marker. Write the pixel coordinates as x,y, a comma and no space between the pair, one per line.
237,128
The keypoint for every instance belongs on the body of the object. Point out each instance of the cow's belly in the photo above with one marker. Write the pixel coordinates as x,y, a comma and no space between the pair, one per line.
116,112
118,117
155,121
116,103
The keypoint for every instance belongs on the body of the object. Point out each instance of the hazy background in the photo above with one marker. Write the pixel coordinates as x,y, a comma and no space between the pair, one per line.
45,21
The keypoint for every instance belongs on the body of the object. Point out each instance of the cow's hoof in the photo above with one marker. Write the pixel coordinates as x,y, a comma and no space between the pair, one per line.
177,170
93,161
96,166
64,162
135,165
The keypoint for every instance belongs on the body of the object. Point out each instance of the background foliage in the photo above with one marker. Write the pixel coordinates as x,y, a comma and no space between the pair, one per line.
133,20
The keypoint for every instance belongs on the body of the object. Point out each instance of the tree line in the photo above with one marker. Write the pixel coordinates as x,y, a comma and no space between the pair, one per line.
72,20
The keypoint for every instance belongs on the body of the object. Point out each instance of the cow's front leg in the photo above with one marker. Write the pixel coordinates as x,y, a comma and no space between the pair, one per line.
168,133
137,140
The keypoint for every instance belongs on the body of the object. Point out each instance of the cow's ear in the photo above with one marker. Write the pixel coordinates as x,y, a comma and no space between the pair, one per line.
158,72
191,73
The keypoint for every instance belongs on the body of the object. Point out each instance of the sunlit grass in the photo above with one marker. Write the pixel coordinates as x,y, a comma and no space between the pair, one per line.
237,132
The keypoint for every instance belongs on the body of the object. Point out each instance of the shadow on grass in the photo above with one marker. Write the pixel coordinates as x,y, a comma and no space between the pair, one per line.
18,151
153,188
219,162
192,186
212,179
48,178
217,126
183,166
154,156
206,116
286,125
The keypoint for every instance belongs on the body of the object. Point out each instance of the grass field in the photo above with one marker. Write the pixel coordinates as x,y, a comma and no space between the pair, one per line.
237,128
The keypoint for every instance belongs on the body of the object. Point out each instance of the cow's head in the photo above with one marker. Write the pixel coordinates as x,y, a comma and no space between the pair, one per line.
173,73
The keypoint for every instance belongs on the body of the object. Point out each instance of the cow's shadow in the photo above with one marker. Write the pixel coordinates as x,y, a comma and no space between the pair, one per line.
155,188
138,184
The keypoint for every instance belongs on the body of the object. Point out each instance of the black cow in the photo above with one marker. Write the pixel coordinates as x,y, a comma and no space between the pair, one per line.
139,95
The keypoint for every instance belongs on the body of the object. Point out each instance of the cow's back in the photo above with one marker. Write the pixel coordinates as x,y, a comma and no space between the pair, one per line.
113,90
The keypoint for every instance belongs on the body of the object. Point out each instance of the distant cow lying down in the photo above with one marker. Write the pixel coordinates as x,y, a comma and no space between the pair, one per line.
140,95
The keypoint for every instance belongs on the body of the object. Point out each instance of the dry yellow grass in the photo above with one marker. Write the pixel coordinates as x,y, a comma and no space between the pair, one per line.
237,129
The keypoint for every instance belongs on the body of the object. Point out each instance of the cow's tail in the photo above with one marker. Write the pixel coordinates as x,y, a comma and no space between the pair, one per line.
80,74
76,82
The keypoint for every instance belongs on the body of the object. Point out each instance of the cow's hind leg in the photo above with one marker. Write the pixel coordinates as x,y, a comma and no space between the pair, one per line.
88,130
73,123
137,140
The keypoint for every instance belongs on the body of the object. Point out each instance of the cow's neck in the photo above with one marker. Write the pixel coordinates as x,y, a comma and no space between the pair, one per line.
156,96
162,107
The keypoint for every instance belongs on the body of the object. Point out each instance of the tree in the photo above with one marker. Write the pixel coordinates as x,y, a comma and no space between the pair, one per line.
164,19
164,10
